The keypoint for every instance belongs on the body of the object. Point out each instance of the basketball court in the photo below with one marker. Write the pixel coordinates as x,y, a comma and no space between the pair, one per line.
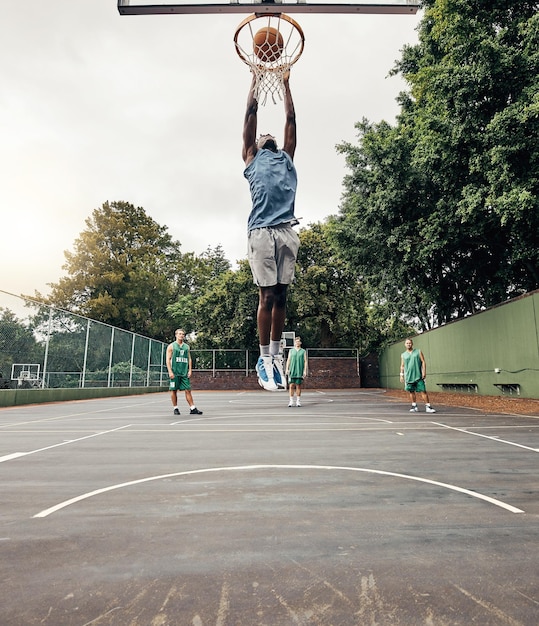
348,510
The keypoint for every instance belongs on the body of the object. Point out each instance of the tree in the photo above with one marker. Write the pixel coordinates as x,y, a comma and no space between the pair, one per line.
196,273
124,271
440,213
326,304
225,311
377,231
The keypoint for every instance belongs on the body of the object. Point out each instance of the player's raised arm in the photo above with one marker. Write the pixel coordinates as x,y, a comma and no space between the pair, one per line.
249,125
289,145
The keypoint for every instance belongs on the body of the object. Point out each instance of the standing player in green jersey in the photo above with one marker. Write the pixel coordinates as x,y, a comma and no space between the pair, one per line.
179,367
413,373
296,370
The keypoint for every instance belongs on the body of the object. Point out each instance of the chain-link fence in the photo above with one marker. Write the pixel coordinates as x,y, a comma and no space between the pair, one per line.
42,346
45,347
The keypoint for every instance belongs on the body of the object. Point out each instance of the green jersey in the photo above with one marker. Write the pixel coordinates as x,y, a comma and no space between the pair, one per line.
180,359
296,363
412,366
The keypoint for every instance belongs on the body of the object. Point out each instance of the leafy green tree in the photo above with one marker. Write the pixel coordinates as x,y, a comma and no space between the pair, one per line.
125,269
196,273
226,309
326,302
441,212
325,305
377,229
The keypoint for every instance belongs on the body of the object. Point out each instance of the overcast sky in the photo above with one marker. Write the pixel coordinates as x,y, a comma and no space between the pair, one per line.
149,109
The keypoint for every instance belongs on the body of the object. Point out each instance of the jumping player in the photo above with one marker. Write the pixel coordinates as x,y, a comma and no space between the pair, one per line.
272,242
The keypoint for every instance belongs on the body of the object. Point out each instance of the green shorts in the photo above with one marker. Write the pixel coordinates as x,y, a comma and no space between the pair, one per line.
295,381
179,383
417,385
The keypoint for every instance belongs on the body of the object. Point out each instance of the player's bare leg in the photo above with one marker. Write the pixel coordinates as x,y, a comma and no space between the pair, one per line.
278,312
174,398
425,397
191,403
270,319
264,314
271,314
298,395
292,388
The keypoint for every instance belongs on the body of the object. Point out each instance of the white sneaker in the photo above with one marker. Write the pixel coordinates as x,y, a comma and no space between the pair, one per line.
414,409
429,409
264,370
291,403
298,403
278,372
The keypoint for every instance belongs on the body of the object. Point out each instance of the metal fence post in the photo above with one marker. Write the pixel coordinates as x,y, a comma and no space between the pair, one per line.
132,358
149,362
46,356
83,378
161,369
110,356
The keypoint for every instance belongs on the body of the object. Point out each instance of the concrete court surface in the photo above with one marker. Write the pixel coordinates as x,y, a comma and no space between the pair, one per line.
349,510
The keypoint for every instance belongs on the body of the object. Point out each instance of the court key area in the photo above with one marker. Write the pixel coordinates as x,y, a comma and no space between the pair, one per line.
348,510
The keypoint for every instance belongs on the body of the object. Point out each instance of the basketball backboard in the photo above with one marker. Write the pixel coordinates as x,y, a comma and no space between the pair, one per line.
26,374
141,7
288,338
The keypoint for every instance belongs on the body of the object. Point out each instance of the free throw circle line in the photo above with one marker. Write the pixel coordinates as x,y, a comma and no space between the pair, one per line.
91,494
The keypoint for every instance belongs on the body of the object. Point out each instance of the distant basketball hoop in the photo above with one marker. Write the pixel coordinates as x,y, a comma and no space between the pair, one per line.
288,339
26,374
269,68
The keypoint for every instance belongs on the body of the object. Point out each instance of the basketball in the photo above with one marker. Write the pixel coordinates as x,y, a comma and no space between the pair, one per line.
268,44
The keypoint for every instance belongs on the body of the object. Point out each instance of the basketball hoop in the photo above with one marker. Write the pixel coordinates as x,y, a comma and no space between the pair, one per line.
269,68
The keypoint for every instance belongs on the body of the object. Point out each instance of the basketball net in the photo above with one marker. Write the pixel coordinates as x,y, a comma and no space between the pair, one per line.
269,72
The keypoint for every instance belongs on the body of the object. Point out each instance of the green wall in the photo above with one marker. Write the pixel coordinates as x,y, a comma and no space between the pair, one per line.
468,351
15,397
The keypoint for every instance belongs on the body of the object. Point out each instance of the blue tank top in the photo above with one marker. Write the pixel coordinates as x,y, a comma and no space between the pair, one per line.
272,180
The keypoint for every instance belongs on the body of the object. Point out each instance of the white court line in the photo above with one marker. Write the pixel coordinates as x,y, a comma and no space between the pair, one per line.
71,415
208,422
497,439
16,455
9,457
91,494
252,402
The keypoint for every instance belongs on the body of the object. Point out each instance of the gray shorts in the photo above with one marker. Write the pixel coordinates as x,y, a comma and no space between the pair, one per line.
272,253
